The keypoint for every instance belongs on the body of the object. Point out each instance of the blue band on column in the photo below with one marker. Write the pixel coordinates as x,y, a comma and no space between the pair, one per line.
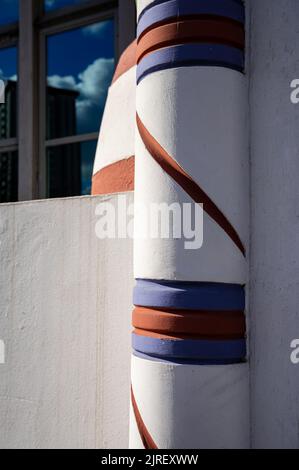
187,55
189,295
188,362
231,350
160,12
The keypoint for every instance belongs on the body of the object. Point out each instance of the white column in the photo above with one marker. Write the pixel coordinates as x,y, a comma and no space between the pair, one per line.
190,389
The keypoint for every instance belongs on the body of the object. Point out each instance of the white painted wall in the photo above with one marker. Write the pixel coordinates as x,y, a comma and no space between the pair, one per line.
65,308
274,312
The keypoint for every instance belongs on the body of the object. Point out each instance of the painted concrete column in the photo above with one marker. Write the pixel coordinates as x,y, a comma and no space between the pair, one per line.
189,373
113,170
274,273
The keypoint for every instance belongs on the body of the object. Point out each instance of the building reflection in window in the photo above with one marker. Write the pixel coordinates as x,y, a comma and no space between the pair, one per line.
8,126
8,176
80,65
50,5
70,169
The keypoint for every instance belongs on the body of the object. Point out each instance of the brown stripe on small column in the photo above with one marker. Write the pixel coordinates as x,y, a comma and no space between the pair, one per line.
191,31
126,61
115,178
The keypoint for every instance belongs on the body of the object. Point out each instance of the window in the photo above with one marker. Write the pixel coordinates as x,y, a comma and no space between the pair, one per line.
55,4
70,168
9,11
8,126
8,110
57,58
80,65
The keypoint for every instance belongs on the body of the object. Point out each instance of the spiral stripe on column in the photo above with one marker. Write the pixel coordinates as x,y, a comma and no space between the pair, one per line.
190,406
146,438
187,183
157,13
205,133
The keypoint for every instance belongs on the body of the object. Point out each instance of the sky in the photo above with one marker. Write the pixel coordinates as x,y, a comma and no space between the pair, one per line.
54,4
80,59
9,11
8,62
83,60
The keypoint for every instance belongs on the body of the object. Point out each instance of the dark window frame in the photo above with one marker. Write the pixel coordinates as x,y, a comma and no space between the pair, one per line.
29,35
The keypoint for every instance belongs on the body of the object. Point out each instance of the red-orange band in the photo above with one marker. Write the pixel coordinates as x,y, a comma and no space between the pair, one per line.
225,325
126,61
191,31
115,178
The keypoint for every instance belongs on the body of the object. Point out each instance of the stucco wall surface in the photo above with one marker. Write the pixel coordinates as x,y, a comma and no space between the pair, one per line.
65,307
274,293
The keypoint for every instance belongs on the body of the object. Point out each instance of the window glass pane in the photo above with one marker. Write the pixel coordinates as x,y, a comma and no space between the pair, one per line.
9,11
8,177
88,151
8,110
55,4
70,169
80,65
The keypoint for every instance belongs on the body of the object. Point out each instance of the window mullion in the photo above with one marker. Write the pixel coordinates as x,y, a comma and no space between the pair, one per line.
126,24
28,101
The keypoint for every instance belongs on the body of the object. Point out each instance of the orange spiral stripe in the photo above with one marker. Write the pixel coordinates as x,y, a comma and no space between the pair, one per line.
146,438
173,169
115,178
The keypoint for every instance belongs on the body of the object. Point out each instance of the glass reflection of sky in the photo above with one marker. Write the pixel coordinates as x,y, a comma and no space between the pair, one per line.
83,60
54,4
8,63
9,11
